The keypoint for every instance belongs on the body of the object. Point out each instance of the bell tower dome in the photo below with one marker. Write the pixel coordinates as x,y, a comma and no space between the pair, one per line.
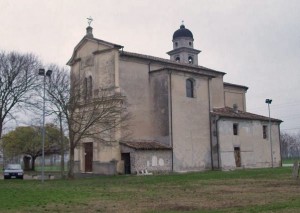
183,47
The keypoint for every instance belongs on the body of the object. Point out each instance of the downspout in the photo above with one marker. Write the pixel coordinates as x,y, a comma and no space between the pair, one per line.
218,145
209,114
171,117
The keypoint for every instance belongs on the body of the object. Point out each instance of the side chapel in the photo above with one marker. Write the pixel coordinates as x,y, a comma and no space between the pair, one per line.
184,116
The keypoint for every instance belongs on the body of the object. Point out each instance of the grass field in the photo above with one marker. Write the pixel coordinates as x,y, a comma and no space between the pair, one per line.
256,190
290,160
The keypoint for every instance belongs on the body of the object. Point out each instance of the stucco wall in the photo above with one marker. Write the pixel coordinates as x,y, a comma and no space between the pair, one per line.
234,95
147,97
217,92
255,150
152,160
103,69
191,126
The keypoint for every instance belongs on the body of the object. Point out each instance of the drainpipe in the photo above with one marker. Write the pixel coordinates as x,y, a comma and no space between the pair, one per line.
218,145
209,114
171,116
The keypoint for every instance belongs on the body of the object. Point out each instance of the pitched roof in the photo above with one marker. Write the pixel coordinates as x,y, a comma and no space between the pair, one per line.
167,61
230,113
151,145
88,38
236,85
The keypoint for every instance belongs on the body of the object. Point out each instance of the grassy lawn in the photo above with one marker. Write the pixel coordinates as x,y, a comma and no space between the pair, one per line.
290,160
256,190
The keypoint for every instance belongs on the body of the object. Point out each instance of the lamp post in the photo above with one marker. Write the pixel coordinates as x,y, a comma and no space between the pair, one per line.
269,101
48,74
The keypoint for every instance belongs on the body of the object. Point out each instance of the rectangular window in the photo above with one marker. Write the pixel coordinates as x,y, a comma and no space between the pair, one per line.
265,130
235,129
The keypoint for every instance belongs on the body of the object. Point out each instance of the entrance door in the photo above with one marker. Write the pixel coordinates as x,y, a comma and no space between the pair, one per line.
237,156
88,152
126,158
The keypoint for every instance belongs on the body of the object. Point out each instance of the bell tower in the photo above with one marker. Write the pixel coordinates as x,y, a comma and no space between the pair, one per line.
183,47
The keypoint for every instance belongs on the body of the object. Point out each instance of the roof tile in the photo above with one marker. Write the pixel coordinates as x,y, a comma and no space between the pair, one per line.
151,145
229,112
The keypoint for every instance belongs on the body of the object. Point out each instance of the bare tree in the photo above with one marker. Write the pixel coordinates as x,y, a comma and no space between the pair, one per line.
17,80
290,145
87,113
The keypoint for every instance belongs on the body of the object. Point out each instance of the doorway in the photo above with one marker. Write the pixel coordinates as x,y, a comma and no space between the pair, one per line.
88,156
126,158
237,156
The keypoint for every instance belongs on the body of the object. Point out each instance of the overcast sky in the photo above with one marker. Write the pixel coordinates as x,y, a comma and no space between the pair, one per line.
256,42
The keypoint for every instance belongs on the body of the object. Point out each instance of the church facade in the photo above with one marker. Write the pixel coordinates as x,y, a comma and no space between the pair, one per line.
184,116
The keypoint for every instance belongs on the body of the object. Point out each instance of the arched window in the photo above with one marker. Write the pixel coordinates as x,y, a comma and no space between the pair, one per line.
90,86
191,60
177,59
190,88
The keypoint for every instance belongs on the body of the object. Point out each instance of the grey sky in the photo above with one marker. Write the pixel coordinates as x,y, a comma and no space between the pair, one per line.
257,42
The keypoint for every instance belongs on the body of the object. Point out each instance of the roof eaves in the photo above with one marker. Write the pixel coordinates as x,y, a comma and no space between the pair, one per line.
236,85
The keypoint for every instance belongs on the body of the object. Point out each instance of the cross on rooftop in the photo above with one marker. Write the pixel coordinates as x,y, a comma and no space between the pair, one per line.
90,19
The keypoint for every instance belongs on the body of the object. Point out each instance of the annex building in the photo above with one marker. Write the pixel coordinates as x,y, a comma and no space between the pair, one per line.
184,116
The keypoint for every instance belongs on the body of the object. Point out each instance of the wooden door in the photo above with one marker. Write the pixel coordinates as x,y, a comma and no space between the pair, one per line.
237,156
126,158
88,152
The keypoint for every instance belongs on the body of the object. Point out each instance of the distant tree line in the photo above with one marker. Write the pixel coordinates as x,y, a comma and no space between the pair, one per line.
290,145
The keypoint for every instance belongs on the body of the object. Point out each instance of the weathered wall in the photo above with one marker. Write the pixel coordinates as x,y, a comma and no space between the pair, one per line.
152,160
235,95
217,92
147,95
103,68
191,126
255,150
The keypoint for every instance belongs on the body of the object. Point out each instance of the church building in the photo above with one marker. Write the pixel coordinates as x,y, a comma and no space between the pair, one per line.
184,116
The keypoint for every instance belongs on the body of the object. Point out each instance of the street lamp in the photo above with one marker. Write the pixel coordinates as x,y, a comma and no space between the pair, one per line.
43,73
269,101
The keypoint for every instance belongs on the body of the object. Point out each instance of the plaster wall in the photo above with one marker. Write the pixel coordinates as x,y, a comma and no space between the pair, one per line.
102,67
190,120
217,92
255,151
147,97
235,96
152,160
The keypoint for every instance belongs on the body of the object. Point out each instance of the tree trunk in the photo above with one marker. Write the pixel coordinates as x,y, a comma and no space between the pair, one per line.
26,161
71,163
33,163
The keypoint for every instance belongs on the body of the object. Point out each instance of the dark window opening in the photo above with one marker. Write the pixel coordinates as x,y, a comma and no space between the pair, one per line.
265,130
190,88
176,44
191,60
190,43
237,156
177,59
235,129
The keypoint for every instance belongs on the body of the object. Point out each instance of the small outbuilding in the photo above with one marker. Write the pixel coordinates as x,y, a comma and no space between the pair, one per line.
150,156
